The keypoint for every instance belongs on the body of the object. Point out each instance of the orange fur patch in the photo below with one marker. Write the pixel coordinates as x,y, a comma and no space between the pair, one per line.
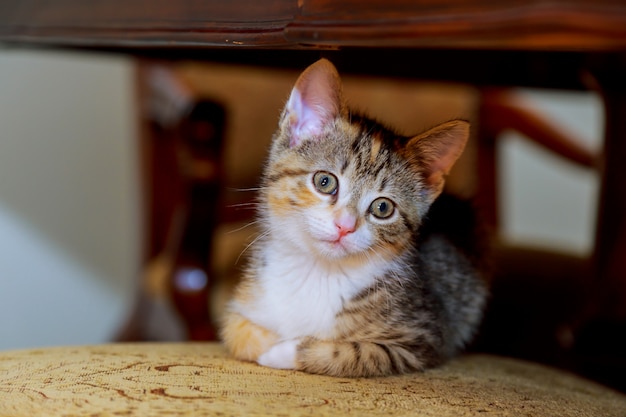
291,193
246,340
304,197
376,144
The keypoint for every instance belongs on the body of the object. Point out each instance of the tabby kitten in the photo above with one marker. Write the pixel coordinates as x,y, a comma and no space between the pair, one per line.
351,277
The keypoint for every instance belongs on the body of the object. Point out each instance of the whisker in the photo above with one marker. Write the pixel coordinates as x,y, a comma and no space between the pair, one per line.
244,205
256,239
244,190
243,227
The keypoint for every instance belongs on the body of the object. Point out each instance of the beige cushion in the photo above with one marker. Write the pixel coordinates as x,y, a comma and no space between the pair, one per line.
200,379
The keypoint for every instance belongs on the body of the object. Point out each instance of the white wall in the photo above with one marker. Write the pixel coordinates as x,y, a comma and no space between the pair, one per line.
545,200
69,217
69,194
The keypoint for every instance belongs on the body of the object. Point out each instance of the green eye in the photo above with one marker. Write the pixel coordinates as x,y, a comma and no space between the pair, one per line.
325,182
382,208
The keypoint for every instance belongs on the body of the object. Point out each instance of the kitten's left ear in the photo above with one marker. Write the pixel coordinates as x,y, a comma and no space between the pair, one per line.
314,102
434,152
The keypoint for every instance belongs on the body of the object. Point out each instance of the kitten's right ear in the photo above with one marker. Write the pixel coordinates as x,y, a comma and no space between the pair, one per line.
314,102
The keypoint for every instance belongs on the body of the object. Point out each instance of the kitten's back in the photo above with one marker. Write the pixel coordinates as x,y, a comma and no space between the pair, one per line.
453,250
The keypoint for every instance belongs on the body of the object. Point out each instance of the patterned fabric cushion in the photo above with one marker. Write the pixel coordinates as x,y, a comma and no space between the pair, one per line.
199,379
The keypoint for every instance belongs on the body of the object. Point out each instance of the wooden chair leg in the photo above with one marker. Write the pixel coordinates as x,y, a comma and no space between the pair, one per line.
572,311
182,138
610,247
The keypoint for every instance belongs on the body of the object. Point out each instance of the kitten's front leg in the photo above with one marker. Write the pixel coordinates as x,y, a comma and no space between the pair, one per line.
246,340
282,355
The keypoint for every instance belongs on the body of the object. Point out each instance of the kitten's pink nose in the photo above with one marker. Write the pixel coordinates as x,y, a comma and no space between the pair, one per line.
346,224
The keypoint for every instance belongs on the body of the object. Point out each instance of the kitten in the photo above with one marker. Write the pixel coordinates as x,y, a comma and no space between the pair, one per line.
351,277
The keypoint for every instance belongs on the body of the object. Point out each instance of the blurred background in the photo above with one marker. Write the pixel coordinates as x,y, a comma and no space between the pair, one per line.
71,224
69,198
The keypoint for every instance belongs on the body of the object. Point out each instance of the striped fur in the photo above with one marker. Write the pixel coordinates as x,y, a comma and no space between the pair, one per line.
336,285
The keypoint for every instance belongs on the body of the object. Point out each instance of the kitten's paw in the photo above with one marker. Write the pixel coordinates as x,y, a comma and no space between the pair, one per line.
281,356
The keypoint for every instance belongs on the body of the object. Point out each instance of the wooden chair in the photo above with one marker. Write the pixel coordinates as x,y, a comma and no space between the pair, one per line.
201,379
544,305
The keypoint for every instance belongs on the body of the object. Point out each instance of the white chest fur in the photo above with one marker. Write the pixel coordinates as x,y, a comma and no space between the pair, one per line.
302,295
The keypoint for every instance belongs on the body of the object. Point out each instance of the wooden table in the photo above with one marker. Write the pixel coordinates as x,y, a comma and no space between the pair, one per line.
576,44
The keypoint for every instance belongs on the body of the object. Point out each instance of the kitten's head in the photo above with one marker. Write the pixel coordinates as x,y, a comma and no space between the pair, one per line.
342,186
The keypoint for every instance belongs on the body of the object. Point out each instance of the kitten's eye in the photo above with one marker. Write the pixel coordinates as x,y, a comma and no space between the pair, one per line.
382,208
325,182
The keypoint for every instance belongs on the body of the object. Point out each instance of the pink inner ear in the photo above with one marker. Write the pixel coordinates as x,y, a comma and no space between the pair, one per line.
315,101
304,120
443,162
436,150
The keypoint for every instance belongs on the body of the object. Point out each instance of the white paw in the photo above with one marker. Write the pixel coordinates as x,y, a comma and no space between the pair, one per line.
281,356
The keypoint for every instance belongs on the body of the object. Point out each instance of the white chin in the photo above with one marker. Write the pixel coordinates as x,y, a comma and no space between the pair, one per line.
330,250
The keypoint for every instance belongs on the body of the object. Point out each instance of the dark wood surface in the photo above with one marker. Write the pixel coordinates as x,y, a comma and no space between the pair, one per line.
518,24
567,25
484,42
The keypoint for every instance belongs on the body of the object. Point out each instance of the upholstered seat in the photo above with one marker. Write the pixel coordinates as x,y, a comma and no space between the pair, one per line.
200,379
